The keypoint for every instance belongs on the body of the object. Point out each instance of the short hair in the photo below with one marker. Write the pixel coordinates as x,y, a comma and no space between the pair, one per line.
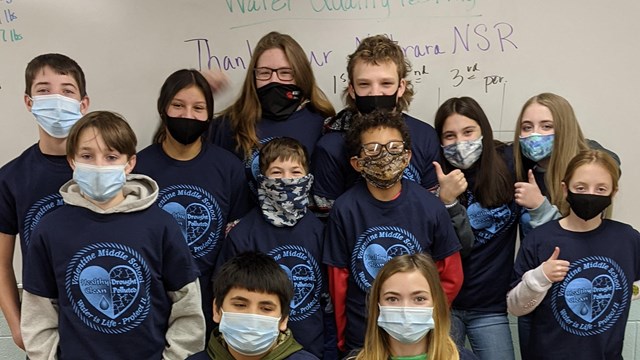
114,129
61,64
256,272
375,119
284,148
375,50
177,81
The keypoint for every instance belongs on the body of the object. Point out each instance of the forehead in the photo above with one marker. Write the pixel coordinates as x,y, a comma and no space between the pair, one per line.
251,297
365,70
591,174
291,162
537,112
381,135
405,283
47,75
458,122
191,92
90,139
273,58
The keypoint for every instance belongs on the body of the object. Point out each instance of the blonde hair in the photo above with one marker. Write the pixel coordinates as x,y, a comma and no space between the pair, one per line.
568,141
246,112
376,342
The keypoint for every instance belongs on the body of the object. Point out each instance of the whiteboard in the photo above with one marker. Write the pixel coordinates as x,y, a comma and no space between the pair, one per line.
499,52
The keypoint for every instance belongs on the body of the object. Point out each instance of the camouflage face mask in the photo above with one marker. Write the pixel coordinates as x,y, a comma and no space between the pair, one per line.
384,170
284,201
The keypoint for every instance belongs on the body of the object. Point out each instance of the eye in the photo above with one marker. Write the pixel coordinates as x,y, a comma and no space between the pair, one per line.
200,108
176,105
238,305
579,188
391,299
42,91
547,126
85,156
113,157
267,308
420,299
526,128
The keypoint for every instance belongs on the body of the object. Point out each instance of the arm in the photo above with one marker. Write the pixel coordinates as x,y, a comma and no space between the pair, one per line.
451,275
527,295
39,326
9,301
543,214
338,290
461,225
186,333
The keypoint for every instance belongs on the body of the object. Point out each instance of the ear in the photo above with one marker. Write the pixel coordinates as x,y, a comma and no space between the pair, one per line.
409,154
130,165
402,87
217,313
84,105
565,190
354,164
351,91
28,102
71,163
283,324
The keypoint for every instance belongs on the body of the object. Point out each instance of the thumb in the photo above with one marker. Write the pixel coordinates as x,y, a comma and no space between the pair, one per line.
532,179
438,168
556,253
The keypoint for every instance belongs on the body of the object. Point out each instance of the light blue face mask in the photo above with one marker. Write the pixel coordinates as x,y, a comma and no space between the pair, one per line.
463,154
249,334
100,183
536,146
406,324
55,113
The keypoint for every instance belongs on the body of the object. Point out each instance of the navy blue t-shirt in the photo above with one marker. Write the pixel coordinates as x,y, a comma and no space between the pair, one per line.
363,233
29,187
110,274
203,194
585,315
298,250
303,125
334,175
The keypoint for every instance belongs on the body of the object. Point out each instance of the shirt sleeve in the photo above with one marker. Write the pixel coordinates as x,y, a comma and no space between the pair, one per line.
178,268
338,280
451,275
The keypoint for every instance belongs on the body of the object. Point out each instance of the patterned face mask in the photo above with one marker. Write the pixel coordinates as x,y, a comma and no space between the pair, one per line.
385,170
284,201
463,154
536,146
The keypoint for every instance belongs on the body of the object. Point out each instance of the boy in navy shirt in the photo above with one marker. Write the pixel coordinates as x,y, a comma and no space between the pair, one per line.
283,228
55,93
380,218
109,276
252,297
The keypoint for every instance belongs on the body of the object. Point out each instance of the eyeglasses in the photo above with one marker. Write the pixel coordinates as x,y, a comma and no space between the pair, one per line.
392,147
264,73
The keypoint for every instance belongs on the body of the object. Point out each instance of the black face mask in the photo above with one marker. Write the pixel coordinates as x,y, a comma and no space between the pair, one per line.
587,206
184,130
279,101
367,104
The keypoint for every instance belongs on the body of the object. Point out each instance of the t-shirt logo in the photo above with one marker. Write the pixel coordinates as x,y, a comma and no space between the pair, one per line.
375,247
108,287
198,214
304,273
411,173
252,165
591,298
35,213
487,223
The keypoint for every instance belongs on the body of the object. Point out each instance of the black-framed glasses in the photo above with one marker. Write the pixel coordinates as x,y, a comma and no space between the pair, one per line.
264,73
374,149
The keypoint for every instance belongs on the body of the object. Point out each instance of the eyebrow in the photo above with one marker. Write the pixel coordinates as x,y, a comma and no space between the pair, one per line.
48,83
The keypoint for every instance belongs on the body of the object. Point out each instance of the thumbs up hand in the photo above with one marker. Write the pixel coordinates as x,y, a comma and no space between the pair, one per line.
451,185
527,194
555,270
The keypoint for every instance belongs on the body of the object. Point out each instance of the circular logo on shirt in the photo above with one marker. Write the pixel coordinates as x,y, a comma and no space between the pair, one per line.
304,273
487,223
252,165
35,213
591,298
108,287
375,247
198,214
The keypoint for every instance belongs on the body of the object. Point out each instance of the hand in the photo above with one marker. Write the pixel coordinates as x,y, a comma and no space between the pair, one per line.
218,81
451,185
555,270
17,339
528,194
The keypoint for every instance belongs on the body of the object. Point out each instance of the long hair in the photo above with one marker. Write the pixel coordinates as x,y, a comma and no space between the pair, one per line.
493,184
376,342
246,111
177,81
596,157
568,141
375,50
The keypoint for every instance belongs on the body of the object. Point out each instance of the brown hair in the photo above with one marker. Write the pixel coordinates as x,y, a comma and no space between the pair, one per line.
568,141
61,64
246,111
284,148
114,129
375,50
376,342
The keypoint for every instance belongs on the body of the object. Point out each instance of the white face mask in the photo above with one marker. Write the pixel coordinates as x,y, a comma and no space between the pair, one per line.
100,183
406,324
56,114
249,334
463,154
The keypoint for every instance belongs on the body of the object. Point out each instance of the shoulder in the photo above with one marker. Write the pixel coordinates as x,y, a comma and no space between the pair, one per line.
418,125
18,162
353,195
301,355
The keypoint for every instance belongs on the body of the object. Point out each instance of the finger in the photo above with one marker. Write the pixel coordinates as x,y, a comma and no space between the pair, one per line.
438,168
555,254
532,179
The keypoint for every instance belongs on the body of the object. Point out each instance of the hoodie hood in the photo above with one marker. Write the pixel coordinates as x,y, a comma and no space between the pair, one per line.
140,192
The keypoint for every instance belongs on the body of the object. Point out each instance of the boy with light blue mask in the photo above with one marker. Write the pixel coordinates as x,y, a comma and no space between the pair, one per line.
55,92
252,297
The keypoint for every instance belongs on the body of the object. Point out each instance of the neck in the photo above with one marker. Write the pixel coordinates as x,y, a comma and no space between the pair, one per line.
51,146
178,151
574,223
397,348
109,203
385,194
237,356
544,163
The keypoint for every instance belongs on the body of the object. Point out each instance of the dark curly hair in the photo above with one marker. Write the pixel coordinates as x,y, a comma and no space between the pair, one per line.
378,118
